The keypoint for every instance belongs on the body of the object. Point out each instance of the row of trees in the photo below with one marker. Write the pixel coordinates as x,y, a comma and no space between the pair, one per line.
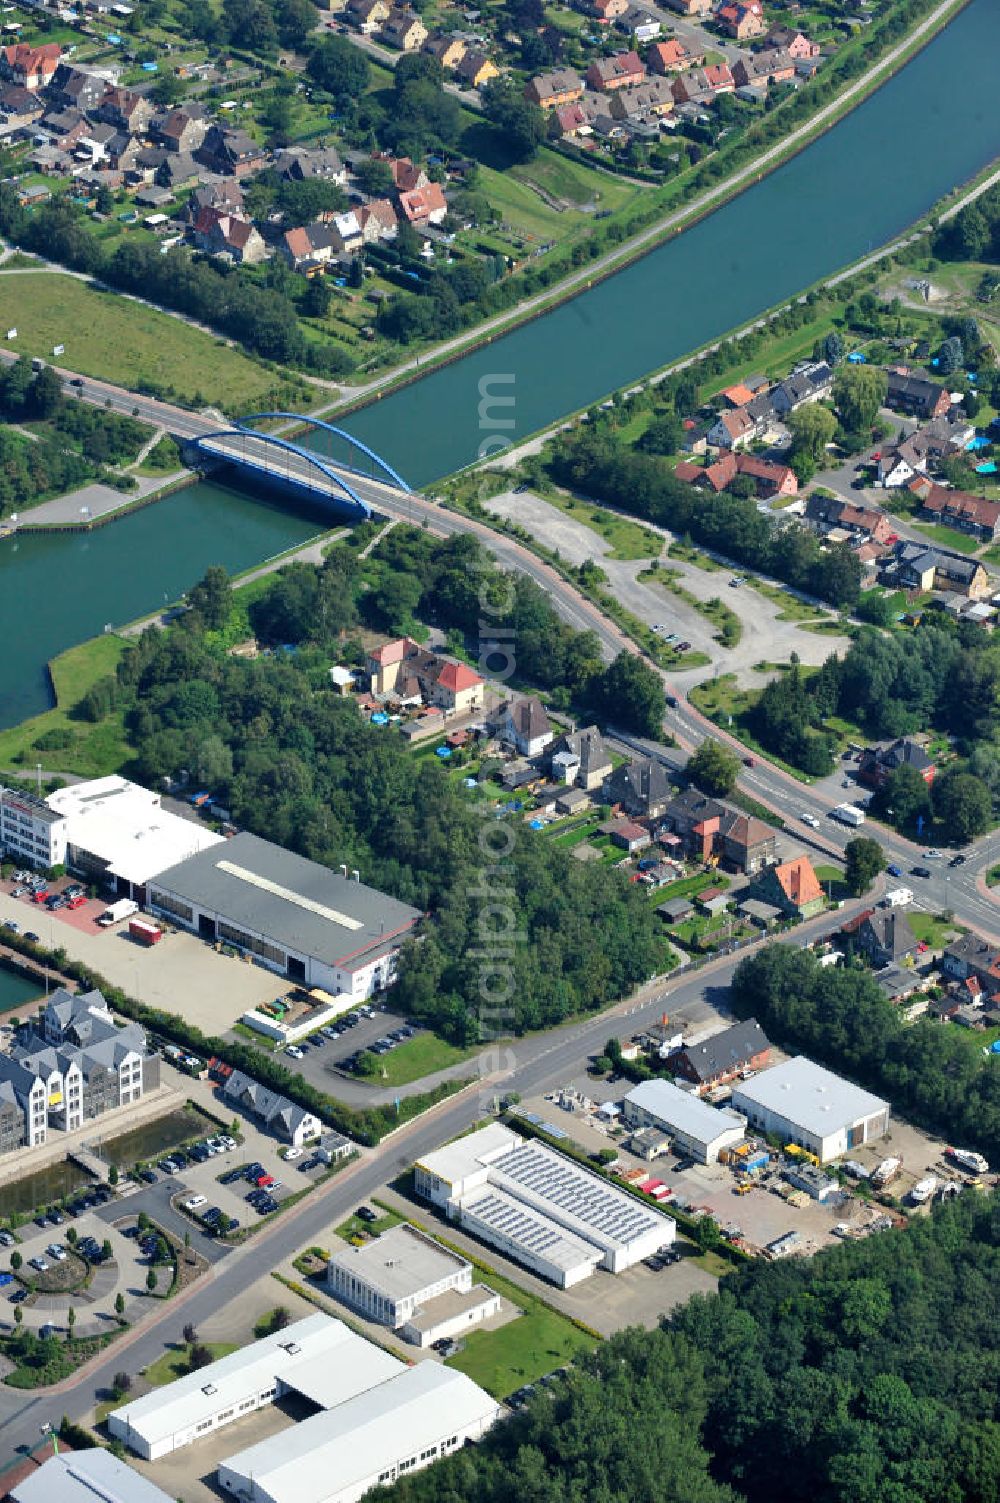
644,485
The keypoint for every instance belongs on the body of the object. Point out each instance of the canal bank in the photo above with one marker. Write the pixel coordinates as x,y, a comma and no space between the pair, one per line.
853,189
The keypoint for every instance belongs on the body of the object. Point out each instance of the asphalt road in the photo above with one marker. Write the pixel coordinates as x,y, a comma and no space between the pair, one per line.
529,1066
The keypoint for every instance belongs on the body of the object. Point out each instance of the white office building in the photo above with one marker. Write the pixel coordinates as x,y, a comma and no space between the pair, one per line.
803,1103
695,1128
423,1413
317,1358
539,1207
30,831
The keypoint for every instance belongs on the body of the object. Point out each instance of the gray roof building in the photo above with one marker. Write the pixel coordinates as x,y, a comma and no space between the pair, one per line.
94,1476
724,1055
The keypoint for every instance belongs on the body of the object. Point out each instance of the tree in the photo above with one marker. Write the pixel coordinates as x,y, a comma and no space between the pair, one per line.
707,1233
833,348
16,1260
296,21
106,1249
121,1383
189,1334
72,1235
198,1357
280,1318
151,1280
317,298
46,393
395,600
339,68
812,427
629,693
865,859
663,436
168,89
714,768
521,123
70,1322
951,356
962,804
858,393
120,1305
113,1175
212,597
904,797
104,201
375,176
18,1314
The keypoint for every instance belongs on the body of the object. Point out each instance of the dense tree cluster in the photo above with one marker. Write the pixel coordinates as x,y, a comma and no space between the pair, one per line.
867,1374
644,485
933,1073
297,764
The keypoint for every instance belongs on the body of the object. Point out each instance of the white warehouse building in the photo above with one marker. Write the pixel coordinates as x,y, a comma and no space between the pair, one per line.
696,1128
539,1207
803,1103
318,1358
423,1413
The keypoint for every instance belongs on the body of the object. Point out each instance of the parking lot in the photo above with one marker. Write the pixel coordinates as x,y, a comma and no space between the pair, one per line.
124,1273
321,1057
219,1182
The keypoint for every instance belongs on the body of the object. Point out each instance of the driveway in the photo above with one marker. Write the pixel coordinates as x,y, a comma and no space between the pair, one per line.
765,638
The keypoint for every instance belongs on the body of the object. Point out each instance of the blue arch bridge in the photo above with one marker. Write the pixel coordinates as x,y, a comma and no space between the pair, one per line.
349,485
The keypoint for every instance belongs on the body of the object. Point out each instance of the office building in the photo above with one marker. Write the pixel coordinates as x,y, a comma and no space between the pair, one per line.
318,927
803,1103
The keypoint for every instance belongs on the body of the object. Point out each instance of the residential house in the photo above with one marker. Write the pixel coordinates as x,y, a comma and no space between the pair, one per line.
449,51
640,788
573,120
913,567
76,88
581,758
770,480
641,24
742,22
712,830
768,68
344,231
882,935
718,1060
672,57
290,1122
652,98
182,130
31,67
405,671
958,509
550,90
477,69
623,71
219,233
224,194
628,836
231,153
866,521
877,763
811,383
368,16
789,39
378,221
606,11
300,164
791,886
405,30
970,955
525,726
424,205
701,85
961,576
19,108
914,454
916,395
126,109
298,248
695,8
733,428
178,170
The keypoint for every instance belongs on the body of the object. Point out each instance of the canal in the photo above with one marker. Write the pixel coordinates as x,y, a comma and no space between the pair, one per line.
60,588
16,989
934,125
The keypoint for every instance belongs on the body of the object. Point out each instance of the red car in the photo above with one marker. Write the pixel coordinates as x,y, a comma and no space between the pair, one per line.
264,1181
41,895
78,902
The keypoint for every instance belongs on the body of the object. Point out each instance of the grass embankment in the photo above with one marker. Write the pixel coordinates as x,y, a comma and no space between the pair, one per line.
61,739
114,338
416,1058
176,1362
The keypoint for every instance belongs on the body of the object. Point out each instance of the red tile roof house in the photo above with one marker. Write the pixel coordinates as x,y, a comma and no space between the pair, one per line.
795,43
573,120
31,67
732,429
769,479
222,234
742,21
671,57
630,836
703,83
424,205
606,11
958,509
606,74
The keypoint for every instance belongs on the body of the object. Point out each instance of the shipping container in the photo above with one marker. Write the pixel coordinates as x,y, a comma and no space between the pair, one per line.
144,931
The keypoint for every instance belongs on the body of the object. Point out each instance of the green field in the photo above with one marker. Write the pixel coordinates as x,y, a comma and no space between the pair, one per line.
418,1057
116,339
174,1362
958,542
79,746
931,928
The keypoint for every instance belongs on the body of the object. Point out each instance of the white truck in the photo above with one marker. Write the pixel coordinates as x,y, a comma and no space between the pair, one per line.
923,1190
965,1158
849,814
123,909
898,897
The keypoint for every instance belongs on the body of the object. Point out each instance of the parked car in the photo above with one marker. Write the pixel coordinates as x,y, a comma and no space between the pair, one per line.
148,1176
194,1202
894,870
958,860
292,1153
39,1264
920,871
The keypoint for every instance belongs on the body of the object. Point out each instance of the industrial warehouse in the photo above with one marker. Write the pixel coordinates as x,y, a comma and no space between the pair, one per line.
803,1103
694,1127
538,1207
375,1418
318,927
406,1280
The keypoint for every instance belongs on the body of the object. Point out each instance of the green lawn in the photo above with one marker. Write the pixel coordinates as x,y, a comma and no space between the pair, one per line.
958,542
832,880
522,1351
78,746
163,458
116,339
174,1362
418,1057
931,928
355,1227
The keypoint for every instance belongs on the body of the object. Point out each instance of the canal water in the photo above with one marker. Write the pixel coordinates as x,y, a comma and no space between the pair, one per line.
934,125
60,588
38,1191
16,989
151,1139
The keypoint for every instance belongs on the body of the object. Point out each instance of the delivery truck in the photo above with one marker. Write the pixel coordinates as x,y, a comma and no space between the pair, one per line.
849,814
123,909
